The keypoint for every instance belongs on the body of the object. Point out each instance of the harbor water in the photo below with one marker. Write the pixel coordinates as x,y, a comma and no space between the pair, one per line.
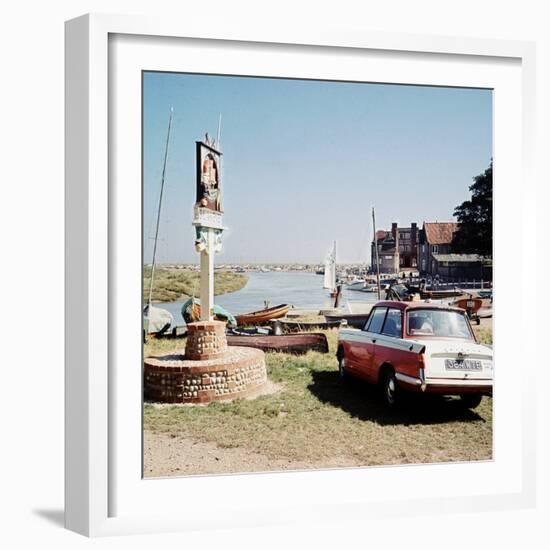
304,291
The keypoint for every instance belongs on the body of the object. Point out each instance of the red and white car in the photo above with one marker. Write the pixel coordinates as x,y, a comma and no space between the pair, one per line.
418,347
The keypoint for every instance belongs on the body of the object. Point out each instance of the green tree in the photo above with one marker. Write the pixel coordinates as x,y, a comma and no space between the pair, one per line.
475,217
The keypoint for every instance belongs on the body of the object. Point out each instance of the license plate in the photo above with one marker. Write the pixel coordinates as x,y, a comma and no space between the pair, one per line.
462,364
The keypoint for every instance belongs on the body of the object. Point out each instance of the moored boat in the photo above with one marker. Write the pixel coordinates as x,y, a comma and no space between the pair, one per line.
437,294
262,316
329,280
356,285
296,344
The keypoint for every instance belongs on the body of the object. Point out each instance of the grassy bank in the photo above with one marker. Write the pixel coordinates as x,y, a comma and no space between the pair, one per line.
316,419
176,284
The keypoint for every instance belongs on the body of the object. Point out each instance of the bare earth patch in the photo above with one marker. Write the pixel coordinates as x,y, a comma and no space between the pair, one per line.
172,456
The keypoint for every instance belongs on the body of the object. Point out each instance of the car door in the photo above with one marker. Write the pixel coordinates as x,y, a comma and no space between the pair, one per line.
362,350
389,344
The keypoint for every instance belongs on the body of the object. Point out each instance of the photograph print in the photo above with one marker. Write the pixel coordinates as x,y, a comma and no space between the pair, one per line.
317,274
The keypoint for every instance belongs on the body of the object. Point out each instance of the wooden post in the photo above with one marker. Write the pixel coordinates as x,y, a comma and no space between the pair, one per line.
207,279
338,297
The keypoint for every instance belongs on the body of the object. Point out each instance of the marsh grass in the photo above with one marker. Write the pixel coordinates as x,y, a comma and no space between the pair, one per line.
176,284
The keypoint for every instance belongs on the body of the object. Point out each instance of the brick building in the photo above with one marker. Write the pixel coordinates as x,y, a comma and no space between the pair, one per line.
397,249
434,238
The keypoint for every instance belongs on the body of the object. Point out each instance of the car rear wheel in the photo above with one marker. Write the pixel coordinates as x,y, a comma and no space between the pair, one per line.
390,390
470,401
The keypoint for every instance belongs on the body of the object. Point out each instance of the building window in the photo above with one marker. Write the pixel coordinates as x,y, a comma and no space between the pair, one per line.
435,249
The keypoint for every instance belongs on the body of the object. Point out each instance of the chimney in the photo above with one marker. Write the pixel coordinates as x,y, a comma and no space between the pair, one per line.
414,233
396,256
395,231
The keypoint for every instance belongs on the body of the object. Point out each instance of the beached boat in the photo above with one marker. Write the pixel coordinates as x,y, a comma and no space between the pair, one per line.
296,344
299,326
156,320
356,320
262,316
191,312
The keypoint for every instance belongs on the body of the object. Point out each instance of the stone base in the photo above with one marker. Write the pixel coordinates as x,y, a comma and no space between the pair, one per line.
238,372
205,340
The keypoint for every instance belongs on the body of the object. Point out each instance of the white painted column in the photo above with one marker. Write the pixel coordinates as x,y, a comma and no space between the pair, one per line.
207,278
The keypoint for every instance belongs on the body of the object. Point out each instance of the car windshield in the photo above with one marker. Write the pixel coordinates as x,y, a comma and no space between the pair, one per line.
438,322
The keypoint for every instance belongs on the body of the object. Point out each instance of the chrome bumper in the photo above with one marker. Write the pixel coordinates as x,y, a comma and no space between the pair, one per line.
424,383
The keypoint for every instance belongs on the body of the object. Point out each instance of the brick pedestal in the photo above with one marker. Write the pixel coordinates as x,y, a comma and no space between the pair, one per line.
239,372
205,340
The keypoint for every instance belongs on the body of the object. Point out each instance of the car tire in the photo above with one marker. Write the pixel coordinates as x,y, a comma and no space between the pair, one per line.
470,401
390,389
342,368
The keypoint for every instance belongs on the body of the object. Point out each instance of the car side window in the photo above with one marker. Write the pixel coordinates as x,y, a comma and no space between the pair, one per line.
392,324
376,320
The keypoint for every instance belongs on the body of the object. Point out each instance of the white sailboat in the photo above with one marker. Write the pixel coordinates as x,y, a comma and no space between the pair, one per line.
330,269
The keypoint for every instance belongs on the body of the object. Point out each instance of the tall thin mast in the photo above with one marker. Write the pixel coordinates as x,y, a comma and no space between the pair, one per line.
159,210
334,267
219,136
375,240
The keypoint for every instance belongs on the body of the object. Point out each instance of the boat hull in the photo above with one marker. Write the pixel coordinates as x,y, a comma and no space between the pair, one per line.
295,344
263,316
299,326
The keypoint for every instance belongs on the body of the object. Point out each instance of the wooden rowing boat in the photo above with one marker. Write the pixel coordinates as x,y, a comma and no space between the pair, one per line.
296,344
263,316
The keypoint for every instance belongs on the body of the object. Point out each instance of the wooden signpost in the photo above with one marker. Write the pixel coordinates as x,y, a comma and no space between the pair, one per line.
207,219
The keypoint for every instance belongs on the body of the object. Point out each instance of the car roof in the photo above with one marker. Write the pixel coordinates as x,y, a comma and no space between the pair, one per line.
421,304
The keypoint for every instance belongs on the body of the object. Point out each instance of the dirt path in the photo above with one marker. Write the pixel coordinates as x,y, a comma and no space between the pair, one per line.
165,455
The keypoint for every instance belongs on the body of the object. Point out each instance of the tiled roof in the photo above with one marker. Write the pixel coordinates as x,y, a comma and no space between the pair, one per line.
440,232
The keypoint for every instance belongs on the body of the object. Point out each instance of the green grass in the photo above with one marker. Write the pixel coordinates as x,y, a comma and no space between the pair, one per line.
175,284
316,417
483,334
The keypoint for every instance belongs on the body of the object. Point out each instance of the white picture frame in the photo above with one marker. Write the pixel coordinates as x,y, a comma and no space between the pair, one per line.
104,494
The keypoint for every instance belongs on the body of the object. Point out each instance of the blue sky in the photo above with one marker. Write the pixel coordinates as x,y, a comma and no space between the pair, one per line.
304,161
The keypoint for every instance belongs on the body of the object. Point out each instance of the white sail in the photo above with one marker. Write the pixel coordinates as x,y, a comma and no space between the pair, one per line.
330,269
